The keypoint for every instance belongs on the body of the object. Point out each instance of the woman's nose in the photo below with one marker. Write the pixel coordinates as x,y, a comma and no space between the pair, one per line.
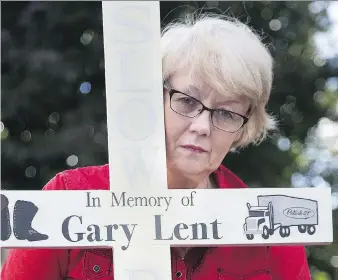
201,124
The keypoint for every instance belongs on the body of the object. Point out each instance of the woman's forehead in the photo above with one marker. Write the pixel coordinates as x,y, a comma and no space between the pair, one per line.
198,87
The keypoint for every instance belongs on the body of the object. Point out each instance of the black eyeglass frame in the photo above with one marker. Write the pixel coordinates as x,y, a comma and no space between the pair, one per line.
172,91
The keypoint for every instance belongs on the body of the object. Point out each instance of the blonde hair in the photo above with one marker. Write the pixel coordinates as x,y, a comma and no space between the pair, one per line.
231,58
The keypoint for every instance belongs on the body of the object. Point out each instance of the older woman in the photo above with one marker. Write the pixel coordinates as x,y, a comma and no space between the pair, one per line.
217,81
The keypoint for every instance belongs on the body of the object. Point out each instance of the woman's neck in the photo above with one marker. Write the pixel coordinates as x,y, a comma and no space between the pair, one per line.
179,181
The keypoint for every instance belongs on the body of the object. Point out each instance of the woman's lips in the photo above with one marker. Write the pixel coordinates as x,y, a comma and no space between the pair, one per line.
196,149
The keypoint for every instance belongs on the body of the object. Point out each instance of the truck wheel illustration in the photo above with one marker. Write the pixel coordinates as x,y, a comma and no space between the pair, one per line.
302,229
265,233
282,232
311,230
250,236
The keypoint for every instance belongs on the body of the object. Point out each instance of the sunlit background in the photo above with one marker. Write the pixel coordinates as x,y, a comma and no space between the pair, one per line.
53,97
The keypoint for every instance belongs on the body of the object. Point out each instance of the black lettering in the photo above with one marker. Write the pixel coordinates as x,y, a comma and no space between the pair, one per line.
122,199
177,230
195,231
158,229
94,236
65,229
93,201
215,230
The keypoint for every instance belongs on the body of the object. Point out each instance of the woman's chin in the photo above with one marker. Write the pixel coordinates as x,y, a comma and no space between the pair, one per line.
189,166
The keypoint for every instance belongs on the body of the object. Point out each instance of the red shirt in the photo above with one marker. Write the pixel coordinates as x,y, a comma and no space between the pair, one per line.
224,263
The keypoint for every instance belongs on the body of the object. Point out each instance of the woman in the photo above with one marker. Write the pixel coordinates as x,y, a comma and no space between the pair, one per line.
217,81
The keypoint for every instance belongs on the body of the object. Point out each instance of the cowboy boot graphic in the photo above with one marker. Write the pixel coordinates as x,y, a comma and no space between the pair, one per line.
24,213
6,229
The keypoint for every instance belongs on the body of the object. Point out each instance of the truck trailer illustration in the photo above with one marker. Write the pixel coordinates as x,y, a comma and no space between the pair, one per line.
281,212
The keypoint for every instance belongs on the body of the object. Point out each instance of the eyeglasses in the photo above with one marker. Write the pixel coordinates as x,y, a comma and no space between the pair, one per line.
188,106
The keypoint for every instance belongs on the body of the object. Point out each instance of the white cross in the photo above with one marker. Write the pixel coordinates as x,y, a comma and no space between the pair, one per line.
142,235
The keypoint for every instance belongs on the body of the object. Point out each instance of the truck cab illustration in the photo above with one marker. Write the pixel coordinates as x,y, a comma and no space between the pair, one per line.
259,221
280,212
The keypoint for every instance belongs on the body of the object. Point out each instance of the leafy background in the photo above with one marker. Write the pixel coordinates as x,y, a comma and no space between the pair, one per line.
53,114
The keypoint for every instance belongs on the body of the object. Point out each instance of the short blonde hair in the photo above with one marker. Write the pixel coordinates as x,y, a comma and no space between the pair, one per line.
232,59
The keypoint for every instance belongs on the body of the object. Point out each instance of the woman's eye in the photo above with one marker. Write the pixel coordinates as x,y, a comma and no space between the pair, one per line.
187,100
226,114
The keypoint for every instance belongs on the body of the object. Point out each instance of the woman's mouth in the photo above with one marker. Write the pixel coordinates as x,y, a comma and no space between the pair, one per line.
195,149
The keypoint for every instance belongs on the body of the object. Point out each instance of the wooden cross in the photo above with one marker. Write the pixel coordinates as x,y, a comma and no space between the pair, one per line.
139,216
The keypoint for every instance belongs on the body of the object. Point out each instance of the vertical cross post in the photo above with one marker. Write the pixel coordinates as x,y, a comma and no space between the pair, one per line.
136,137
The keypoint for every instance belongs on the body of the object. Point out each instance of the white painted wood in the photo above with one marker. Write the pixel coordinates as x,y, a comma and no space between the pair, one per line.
228,207
134,94
135,116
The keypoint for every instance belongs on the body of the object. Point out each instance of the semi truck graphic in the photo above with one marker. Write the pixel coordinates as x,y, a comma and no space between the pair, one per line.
281,212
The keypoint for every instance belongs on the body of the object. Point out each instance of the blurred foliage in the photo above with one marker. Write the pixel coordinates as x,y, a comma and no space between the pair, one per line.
53,97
